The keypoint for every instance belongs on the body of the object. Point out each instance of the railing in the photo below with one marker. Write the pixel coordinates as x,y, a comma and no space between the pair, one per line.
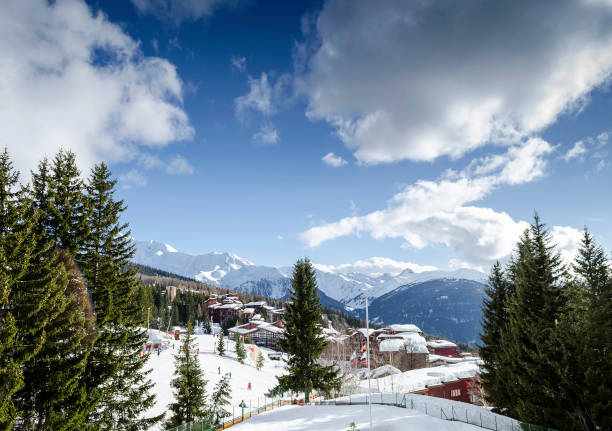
441,408
254,407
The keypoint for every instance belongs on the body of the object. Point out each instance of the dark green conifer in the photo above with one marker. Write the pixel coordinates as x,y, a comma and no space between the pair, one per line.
302,338
53,395
219,399
221,345
240,350
494,324
259,363
118,390
586,336
68,208
531,353
188,384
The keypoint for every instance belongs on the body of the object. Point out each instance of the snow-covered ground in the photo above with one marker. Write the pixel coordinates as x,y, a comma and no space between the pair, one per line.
338,418
261,381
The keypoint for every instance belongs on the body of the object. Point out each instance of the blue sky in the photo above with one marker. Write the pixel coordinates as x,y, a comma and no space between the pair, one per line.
448,125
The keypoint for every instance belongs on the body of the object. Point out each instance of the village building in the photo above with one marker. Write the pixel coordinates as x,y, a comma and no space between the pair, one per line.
262,333
443,348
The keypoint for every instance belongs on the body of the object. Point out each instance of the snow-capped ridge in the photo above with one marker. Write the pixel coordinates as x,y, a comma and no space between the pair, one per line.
349,284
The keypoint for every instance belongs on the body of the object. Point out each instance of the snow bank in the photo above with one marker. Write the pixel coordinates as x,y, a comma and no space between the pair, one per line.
336,418
441,408
416,380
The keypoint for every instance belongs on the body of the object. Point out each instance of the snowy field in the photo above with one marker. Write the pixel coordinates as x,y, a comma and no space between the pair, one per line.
338,418
261,381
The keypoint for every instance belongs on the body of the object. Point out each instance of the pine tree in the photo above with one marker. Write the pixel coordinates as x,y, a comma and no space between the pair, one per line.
53,395
221,345
240,350
494,324
302,339
219,399
587,340
531,355
260,361
29,296
189,385
15,254
68,207
118,390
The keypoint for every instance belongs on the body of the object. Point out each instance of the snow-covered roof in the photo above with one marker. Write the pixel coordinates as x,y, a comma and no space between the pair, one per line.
440,343
364,331
256,304
419,379
384,370
249,310
409,341
452,360
405,328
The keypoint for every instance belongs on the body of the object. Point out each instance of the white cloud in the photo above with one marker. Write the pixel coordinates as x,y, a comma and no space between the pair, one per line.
179,166
132,178
267,135
434,212
330,159
239,63
567,240
74,80
576,151
375,266
264,96
177,11
279,237
387,78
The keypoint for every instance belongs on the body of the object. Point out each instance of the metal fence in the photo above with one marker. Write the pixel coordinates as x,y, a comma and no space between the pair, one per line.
440,408
239,414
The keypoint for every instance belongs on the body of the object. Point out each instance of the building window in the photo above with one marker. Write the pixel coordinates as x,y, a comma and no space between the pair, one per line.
455,392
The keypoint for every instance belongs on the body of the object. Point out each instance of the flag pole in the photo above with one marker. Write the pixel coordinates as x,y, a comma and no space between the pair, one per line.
368,359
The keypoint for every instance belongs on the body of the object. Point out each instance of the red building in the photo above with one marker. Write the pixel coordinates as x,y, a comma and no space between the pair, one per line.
457,390
443,348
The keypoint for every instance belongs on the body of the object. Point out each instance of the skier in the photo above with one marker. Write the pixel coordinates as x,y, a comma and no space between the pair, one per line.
219,370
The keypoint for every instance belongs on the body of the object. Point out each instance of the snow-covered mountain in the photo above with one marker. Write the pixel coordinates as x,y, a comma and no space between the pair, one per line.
235,272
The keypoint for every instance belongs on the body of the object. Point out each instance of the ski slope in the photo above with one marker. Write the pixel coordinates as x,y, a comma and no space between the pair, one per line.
162,367
338,418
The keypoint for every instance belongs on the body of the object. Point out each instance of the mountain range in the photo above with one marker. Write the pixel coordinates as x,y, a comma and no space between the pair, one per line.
446,303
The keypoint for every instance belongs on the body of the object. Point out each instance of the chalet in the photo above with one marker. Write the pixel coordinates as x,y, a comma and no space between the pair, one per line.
256,305
403,350
262,333
443,348
247,314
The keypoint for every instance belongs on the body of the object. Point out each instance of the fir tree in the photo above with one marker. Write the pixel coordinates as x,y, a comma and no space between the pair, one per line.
531,354
587,340
15,254
221,345
68,207
189,385
302,338
240,350
219,399
259,363
494,324
118,390
29,298
53,395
